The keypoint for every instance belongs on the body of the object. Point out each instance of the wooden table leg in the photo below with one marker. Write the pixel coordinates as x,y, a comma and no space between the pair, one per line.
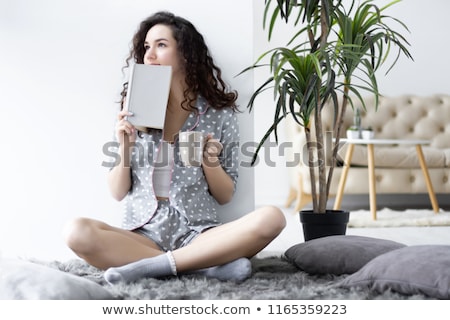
343,180
426,175
372,188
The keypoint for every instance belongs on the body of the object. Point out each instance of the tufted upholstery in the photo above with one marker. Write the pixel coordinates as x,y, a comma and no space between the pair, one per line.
397,167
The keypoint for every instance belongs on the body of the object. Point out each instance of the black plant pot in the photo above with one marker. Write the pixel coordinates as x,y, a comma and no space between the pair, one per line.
318,225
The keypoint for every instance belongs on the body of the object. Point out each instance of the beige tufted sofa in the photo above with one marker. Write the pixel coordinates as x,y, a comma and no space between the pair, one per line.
397,168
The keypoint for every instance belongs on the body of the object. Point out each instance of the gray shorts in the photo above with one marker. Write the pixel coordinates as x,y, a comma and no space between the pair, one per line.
168,228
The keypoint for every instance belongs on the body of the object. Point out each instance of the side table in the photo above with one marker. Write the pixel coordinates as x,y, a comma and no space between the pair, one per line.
371,168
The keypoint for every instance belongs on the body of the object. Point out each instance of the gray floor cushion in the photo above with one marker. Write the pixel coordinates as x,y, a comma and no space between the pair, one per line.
338,254
423,269
26,280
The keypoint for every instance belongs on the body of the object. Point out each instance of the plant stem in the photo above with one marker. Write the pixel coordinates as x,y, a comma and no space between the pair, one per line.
337,133
323,189
312,174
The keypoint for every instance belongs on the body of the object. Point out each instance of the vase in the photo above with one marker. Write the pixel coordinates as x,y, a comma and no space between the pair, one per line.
367,134
318,225
352,134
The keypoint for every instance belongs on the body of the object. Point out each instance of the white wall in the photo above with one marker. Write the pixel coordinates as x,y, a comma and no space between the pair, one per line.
60,79
427,74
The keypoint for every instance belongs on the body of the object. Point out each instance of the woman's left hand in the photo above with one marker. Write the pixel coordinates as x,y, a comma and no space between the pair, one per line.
219,182
211,152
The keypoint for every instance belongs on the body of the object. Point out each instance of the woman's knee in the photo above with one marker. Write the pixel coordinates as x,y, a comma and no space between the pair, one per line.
79,234
271,221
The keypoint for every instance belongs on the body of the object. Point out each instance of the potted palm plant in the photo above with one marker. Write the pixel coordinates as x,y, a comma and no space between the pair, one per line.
333,42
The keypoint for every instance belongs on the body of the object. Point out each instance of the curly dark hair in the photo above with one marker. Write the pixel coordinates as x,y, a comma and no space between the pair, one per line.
202,75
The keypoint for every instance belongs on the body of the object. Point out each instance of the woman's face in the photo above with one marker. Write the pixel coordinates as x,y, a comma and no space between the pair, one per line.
161,47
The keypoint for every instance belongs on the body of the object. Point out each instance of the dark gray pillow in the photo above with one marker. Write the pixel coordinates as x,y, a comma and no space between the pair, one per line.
338,254
20,279
412,270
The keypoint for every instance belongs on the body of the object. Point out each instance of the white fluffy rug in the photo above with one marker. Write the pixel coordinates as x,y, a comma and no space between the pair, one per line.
394,218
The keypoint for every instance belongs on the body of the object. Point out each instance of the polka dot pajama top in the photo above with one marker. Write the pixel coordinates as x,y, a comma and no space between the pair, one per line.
188,193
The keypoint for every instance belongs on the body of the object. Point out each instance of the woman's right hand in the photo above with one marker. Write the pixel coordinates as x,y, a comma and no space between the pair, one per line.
119,178
125,131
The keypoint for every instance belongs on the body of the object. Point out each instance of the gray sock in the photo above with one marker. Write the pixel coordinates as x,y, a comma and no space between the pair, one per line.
237,270
159,266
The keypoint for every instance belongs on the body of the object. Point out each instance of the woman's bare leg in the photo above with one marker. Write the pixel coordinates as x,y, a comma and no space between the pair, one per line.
226,244
243,237
105,246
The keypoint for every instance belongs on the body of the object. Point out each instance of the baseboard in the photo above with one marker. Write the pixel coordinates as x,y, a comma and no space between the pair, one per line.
393,201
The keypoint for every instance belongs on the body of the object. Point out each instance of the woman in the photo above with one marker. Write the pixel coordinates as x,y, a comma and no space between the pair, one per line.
170,225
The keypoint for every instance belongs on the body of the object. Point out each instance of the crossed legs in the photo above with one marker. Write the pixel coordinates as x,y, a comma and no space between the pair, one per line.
104,246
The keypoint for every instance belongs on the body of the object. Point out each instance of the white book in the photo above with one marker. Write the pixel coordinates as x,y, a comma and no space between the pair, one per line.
147,95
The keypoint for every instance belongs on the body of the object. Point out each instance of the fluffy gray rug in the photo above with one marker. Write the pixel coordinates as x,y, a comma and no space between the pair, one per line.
274,278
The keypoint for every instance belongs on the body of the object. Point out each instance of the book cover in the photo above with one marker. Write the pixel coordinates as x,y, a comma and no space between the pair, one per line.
147,95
